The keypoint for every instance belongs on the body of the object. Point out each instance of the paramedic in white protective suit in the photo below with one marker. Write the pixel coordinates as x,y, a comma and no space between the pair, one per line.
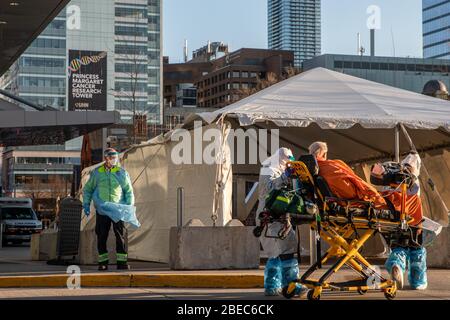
281,267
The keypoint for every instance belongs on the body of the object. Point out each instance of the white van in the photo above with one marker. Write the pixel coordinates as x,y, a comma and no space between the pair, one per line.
18,220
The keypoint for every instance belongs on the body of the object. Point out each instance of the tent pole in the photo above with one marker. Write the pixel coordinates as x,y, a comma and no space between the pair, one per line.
430,180
312,247
397,143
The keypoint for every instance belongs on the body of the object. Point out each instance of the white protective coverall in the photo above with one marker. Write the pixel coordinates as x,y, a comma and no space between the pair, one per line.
272,177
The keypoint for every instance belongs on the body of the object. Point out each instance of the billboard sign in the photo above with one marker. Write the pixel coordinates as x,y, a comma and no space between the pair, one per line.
87,80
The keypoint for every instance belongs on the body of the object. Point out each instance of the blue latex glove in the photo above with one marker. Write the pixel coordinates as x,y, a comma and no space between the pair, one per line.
87,210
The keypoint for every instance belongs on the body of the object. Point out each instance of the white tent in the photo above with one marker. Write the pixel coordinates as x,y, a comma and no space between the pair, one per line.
361,120
156,180
358,119
335,100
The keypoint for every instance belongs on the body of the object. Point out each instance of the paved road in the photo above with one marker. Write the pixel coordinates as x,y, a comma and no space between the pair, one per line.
16,261
193,294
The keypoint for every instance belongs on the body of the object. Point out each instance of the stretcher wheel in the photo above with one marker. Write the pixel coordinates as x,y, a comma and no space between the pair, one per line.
289,291
311,296
362,292
390,295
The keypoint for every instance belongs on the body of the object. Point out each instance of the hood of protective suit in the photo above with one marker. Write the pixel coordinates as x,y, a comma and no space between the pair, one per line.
279,159
414,162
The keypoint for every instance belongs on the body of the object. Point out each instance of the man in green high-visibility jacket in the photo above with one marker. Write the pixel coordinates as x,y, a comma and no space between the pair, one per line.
109,186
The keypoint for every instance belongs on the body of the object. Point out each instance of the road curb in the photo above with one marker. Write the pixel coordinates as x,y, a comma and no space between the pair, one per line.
176,280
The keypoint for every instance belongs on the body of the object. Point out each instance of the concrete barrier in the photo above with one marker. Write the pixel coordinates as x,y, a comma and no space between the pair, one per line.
87,252
213,248
438,254
43,246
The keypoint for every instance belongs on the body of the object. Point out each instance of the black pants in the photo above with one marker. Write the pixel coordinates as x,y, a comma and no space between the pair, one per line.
102,227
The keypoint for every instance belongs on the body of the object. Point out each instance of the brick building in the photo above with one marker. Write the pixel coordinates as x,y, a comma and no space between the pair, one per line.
223,81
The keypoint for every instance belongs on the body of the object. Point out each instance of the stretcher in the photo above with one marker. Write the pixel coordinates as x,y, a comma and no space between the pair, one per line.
345,225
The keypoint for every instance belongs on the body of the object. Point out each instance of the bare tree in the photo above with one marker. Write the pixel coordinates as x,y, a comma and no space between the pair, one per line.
58,187
134,73
263,83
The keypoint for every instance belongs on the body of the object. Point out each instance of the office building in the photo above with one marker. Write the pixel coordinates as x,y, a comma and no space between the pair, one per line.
295,25
223,81
127,32
40,173
436,29
405,73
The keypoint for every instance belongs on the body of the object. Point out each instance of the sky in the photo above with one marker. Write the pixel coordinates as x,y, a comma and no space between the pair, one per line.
243,24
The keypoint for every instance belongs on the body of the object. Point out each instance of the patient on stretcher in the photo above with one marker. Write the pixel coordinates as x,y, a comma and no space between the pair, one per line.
345,184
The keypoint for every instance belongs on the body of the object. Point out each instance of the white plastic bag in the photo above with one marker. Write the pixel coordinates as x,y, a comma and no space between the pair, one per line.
430,231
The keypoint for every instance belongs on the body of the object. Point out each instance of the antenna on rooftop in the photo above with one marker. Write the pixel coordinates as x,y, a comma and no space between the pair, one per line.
360,49
393,41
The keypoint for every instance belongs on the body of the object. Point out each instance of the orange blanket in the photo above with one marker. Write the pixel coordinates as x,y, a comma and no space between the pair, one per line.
413,205
345,184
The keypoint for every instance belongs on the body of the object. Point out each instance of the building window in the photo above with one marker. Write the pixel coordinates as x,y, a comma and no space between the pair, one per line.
411,67
134,13
131,50
338,64
131,31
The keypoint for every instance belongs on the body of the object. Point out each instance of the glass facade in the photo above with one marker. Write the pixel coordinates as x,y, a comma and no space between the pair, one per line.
295,25
138,67
39,75
405,73
436,29
128,30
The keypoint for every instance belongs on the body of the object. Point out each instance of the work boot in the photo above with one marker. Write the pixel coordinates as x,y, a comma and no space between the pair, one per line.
397,276
102,267
122,266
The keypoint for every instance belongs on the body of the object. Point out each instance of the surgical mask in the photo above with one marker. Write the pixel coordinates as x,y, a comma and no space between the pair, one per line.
112,162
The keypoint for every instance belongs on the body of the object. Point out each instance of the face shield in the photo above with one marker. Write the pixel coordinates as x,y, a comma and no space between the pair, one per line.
112,159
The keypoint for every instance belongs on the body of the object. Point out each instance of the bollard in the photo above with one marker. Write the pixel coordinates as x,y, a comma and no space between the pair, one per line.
180,206
1,235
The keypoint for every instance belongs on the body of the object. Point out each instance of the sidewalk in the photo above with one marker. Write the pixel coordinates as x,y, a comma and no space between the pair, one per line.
17,271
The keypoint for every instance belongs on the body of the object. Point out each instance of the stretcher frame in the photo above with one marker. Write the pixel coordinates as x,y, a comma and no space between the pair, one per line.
337,232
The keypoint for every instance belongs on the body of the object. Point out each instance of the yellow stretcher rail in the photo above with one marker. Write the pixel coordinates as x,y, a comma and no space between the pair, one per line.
339,233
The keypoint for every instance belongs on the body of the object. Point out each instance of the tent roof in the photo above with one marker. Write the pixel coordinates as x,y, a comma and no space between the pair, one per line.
335,100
